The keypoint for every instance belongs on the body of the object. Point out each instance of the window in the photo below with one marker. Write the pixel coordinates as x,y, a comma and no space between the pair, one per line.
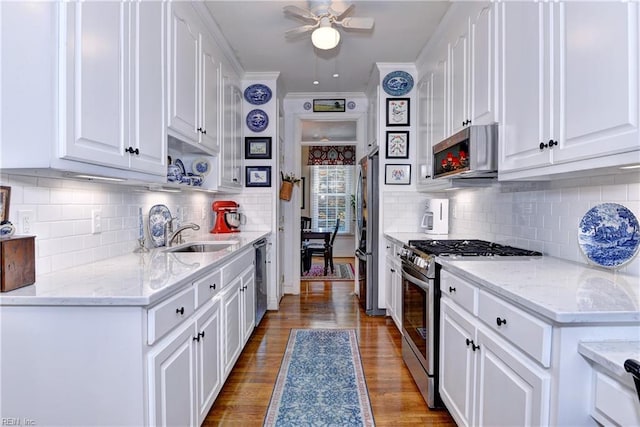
331,197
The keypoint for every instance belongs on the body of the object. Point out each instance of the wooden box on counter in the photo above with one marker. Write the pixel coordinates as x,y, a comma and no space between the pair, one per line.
17,262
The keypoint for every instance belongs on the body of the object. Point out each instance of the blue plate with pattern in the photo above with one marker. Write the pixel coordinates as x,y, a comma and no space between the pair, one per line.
397,83
257,94
257,120
159,215
609,235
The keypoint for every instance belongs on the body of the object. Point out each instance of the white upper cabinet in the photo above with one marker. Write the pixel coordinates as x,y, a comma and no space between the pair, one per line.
425,117
230,157
194,81
472,72
569,86
114,114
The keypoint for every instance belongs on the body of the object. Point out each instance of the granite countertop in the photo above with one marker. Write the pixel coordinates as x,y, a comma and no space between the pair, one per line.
560,291
128,280
610,357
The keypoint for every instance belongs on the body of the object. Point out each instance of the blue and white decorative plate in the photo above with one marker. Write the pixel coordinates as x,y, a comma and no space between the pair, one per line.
257,94
7,229
181,166
609,235
201,166
397,83
351,105
257,120
307,106
159,215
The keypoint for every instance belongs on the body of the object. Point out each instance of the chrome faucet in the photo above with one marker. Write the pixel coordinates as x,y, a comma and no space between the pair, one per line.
170,235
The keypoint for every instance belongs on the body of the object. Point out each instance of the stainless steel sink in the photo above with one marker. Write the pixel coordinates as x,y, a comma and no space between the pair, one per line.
201,247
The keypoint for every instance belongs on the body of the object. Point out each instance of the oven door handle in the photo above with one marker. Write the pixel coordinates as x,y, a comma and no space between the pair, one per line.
420,283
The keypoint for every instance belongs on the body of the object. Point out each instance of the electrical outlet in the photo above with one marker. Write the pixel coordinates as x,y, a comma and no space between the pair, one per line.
25,221
96,221
454,212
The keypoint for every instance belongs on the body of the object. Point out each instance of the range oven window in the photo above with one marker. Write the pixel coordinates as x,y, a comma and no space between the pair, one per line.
415,314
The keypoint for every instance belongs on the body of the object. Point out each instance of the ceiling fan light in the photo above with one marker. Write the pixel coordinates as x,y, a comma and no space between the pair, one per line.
325,38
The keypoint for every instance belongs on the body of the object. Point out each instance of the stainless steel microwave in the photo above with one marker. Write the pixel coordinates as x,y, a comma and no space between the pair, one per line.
470,153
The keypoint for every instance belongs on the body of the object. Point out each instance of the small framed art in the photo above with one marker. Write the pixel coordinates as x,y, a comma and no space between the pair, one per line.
5,198
397,144
258,176
257,147
328,105
398,111
397,174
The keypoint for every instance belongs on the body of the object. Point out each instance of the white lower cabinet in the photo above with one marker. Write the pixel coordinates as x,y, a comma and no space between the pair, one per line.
393,285
486,381
186,370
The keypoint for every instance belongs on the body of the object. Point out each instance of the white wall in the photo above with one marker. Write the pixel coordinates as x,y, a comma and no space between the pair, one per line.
62,212
540,216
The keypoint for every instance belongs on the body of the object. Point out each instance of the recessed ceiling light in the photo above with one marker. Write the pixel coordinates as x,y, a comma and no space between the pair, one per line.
336,75
315,82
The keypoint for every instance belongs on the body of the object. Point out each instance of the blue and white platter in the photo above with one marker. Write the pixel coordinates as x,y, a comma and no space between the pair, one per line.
257,94
609,235
201,166
159,215
397,83
257,120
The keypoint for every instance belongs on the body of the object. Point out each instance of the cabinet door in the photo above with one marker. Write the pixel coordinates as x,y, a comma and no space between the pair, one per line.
439,126
425,118
482,68
249,303
231,147
210,92
511,391
397,295
96,66
457,363
232,326
209,351
525,91
596,74
459,88
148,89
183,73
173,390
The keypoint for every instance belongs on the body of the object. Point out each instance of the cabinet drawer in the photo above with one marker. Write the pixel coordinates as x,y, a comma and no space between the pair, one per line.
459,290
613,403
240,263
207,286
532,335
170,313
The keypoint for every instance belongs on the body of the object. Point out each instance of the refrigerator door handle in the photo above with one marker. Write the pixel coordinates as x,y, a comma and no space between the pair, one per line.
361,254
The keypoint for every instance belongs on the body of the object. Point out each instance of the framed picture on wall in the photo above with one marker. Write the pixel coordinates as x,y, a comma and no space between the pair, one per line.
258,176
328,105
398,144
257,147
397,174
5,198
398,111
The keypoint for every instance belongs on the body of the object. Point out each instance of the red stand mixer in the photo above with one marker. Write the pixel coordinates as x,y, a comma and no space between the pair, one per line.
228,219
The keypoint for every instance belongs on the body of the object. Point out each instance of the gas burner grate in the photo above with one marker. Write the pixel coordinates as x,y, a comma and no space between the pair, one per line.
469,247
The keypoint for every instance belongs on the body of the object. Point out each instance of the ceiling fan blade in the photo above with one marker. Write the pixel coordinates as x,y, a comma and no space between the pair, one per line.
340,14
300,13
357,23
299,30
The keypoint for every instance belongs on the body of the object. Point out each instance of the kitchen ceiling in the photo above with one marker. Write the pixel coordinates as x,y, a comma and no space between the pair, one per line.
255,30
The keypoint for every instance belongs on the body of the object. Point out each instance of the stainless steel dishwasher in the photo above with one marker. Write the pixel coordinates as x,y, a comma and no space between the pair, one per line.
261,279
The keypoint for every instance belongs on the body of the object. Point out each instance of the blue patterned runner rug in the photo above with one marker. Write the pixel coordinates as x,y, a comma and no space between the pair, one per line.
321,382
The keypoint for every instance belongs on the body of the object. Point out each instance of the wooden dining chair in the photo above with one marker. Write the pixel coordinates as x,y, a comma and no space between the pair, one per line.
305,256
324,249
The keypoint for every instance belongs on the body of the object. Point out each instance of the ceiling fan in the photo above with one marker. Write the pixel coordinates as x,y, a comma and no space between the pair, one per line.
322,19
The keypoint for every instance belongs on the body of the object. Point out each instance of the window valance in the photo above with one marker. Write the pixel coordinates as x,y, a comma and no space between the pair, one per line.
332,155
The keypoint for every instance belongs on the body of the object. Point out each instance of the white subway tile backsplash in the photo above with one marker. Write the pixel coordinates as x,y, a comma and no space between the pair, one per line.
545,218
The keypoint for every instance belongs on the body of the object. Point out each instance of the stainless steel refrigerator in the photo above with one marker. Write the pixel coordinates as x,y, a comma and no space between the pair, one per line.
368,232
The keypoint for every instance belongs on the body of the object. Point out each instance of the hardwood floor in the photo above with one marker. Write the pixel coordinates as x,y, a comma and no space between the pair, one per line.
395,399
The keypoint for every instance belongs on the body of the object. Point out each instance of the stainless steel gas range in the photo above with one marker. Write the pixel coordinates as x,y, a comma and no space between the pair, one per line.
421,303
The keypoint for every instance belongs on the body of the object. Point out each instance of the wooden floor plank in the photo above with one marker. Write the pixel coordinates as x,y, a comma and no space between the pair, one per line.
395,399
